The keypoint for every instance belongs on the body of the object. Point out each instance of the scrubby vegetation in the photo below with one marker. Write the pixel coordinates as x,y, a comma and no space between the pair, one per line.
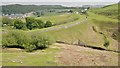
26,41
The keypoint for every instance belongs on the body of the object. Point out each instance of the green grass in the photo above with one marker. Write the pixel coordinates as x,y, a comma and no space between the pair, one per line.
38,58
110,11
54,19
101,18
58,18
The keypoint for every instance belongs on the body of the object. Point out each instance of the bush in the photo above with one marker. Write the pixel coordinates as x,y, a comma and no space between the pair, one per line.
15,38
48,24
8,39
24,27
18,24
106,43
40,41
29,47
29,22
25,40
40,23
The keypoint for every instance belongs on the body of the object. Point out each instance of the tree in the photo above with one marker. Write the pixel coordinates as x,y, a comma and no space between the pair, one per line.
18,24
40,23
48,24
29,22
35,25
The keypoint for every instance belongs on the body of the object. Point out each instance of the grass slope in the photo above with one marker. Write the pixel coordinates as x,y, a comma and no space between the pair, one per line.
110,11
58,18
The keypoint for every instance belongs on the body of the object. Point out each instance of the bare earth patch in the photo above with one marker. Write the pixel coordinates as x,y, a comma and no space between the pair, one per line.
81,56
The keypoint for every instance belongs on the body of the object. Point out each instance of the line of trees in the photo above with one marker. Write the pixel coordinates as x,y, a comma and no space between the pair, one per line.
31,23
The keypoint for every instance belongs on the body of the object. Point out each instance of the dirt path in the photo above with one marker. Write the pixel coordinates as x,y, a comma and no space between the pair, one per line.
82,56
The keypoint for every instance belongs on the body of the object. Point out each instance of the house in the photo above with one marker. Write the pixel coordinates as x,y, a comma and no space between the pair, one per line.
17,16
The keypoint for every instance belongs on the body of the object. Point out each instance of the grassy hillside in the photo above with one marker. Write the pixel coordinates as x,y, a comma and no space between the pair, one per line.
83,32
107,19
58,18
110,11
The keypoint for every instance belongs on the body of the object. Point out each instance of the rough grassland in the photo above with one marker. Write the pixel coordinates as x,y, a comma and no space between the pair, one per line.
59,54
18,57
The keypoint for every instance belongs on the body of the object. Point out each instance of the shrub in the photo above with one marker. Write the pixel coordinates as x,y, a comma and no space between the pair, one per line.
15,38
24,27
40,23
48,24
29,47
106,43
8,39
35,25
40,41
29,22
18,24
24,40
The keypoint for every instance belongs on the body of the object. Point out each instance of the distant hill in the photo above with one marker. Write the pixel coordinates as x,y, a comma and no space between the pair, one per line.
17,8
109,10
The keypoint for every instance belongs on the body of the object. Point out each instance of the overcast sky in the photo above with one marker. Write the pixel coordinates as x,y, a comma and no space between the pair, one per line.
69,3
